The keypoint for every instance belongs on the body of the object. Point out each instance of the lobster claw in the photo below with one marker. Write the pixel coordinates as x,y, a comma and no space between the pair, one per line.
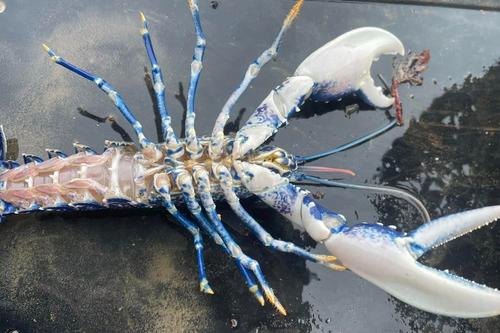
387,258
342,66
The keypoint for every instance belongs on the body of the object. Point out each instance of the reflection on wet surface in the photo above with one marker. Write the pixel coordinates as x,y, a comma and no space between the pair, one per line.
135,271
450,158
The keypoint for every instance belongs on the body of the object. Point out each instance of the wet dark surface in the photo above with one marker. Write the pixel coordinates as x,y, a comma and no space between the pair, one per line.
135,270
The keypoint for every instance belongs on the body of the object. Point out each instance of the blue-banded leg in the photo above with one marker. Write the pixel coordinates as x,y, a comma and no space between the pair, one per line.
193,146
162,186
217,140
184,182
203,186
174,149
151,152
226,182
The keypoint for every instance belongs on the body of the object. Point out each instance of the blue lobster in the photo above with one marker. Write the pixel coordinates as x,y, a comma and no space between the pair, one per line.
199,171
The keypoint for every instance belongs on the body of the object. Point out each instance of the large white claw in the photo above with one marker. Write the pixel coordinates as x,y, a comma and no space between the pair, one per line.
386,258
343,65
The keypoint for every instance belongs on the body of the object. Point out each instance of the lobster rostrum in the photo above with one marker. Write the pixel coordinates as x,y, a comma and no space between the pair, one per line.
199,171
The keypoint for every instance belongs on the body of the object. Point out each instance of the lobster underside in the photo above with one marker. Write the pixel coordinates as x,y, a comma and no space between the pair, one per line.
198,172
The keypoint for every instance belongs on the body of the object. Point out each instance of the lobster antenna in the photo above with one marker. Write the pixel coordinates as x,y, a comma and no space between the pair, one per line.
410,198
252,72
313,168
193,147
356,142
159,88
108,89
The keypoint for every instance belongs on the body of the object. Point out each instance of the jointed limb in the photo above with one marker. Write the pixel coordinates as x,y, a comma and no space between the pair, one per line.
222,173
202,180
159,88
253,70
150,151
162,186
184,182
192,145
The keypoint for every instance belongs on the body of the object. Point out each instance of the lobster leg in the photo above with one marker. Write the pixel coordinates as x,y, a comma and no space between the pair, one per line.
174,148
183,180
202,180
217,140
162,186
193,146
225,179
150,150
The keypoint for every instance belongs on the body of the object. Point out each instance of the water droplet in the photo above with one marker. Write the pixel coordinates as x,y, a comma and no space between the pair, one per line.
473,108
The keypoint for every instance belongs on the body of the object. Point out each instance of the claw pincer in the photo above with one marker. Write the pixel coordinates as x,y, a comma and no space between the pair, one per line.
387,258
382,255
342,66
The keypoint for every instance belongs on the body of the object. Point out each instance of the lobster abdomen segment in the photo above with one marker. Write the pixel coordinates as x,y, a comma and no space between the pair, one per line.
80,178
